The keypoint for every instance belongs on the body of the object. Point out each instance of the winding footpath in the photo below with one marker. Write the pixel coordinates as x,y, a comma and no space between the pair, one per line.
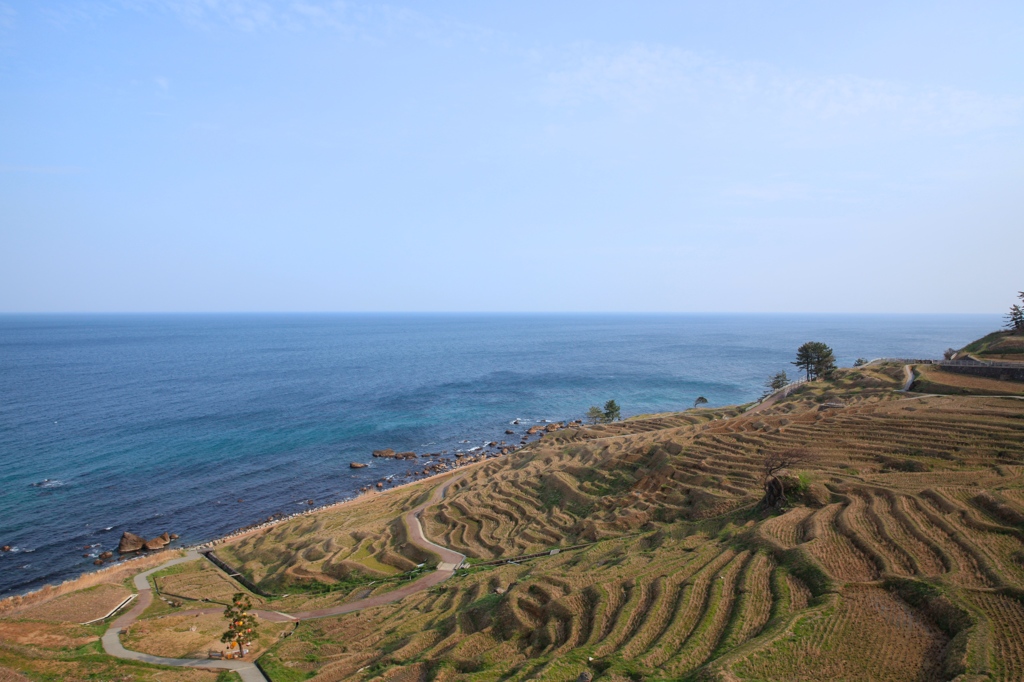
449,562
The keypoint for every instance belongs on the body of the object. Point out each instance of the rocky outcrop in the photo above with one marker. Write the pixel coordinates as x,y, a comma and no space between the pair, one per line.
159,542
357,465
391,454
130,542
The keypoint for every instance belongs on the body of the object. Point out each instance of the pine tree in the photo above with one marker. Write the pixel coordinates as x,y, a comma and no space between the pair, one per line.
1015,318
816,359
611,411
775,382
595,414
701,400
241,623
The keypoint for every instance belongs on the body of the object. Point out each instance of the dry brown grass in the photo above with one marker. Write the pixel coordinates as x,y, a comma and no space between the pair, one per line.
191,636
45,635
685,570
358,538
868,635
111,575
77,607
935,380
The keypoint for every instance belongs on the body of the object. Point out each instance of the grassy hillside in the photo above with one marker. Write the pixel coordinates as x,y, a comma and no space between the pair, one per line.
998,346
639,551
901,556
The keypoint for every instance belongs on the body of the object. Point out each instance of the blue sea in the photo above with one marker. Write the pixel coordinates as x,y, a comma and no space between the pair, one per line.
200,424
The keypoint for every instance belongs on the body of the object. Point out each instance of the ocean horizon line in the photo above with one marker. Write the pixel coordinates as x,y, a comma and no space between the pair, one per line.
481,313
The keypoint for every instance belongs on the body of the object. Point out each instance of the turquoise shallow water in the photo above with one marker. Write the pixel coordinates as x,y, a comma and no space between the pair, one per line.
154,423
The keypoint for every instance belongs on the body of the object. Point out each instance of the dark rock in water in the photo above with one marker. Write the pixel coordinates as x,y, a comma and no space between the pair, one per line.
98,562
130,542
405,455
492,444
5,548
380,484
309,502
357,465
386,452
106,555
509,432
174,536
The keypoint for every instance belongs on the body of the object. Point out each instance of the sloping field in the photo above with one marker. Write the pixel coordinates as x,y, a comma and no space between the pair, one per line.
349,544
78,607
640,551
866,634
900,557
934,380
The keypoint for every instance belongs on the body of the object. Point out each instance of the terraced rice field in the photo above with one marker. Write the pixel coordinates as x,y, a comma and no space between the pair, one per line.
349,541
640,551
670,568
865,634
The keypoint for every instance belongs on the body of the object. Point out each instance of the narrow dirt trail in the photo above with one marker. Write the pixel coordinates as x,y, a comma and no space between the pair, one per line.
450,561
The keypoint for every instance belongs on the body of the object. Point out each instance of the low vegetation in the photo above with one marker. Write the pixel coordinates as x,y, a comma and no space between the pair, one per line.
846,531
897,555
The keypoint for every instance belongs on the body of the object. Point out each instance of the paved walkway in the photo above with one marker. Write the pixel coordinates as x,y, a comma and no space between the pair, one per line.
908,374
449,562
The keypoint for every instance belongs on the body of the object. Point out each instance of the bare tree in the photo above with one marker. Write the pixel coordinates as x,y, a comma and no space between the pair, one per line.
773,464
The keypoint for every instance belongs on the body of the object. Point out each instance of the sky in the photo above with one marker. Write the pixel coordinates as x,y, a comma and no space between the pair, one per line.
316,155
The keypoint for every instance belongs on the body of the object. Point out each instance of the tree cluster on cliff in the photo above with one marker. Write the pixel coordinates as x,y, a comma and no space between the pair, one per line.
610,413
816,359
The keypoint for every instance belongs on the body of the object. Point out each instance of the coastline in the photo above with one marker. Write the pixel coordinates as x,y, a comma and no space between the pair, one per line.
131,565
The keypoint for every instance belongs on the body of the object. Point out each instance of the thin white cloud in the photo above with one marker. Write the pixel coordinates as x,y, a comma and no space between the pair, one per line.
670,80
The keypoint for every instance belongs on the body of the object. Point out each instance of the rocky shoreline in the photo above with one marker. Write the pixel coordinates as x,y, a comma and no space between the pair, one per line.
439,463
